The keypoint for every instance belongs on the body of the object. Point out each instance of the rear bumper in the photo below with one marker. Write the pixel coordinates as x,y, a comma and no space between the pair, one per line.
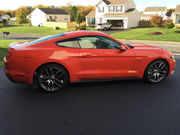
13,74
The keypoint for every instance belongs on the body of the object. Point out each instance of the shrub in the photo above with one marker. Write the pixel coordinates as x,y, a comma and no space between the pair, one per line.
4,21
1,25
156,21
81,27
169,25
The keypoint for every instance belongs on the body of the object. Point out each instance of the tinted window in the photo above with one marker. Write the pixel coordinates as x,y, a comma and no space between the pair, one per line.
70,43
98,42
88,42
46,38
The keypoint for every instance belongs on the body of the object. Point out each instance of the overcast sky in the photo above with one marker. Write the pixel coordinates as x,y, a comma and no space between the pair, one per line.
140,4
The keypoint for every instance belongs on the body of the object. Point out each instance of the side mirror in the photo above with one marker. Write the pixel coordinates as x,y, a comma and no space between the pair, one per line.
123,48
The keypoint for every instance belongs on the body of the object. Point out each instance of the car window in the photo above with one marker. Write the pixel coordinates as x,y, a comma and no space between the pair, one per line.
98,42
70,43
45,38
87,42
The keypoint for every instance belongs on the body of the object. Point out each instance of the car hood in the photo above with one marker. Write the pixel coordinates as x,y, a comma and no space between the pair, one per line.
143,46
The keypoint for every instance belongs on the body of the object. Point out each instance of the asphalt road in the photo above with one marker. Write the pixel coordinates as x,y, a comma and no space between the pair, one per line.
123,107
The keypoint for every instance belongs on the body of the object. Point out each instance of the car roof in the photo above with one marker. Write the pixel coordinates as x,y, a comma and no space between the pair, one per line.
86,32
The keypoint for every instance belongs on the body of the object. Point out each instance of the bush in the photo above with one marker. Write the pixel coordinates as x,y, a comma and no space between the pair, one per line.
4,21
1,25
81,27
169,25
157,21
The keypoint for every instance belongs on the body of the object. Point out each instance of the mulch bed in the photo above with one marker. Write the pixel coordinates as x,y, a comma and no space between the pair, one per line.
155,33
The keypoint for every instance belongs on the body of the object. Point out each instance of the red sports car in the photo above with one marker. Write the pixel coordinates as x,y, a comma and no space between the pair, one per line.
53,61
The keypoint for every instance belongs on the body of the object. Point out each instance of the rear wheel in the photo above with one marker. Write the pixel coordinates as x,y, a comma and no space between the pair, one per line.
156,71
52,77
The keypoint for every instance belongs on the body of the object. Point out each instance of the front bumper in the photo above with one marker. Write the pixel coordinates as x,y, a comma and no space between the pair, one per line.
172,65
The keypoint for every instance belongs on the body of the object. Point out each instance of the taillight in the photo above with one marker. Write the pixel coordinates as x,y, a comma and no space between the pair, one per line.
8,56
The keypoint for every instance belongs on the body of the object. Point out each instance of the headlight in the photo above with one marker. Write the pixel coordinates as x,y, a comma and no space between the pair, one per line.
172,57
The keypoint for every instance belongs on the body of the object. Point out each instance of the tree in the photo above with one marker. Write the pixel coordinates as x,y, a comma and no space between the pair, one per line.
21,15
4,22
78,18
73,12
156,21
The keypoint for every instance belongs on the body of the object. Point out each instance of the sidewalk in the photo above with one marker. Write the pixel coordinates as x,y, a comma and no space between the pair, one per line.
172,46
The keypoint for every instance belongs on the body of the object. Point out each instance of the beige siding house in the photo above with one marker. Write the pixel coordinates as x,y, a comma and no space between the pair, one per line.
41,15
91,18
119,13
151,11
177,16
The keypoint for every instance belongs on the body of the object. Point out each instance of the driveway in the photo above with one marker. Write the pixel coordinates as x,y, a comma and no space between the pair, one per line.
123,107
172,46
22,36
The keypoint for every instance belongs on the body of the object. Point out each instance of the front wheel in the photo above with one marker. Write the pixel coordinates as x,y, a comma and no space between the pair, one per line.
52,77
156,71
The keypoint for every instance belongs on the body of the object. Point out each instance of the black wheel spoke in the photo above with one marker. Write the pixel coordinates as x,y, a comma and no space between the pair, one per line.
157,71
51,78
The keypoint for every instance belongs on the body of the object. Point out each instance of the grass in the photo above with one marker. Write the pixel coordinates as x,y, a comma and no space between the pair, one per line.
143,34
35,30
4,48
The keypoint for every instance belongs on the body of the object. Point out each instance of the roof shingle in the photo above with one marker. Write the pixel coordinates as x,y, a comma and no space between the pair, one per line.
53,11
154,9
177,8
114,2
91,14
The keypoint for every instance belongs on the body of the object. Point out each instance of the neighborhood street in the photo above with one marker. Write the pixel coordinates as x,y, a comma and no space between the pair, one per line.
172,46
121,107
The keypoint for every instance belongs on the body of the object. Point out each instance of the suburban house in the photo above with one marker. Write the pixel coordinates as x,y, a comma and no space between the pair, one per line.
6,17
177,16
151,11
119,13
91,18
42,15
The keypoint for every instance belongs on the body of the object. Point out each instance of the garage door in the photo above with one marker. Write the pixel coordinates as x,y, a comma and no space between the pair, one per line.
116,23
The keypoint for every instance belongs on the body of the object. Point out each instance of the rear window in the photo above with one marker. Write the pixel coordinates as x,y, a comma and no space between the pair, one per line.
45,39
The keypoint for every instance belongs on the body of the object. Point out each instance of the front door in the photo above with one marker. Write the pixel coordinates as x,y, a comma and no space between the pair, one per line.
101,58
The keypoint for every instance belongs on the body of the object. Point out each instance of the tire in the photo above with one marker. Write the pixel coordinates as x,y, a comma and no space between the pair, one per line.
52,78
105,29
156,71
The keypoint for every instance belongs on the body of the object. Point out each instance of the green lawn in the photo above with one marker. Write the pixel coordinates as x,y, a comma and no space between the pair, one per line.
143,34
4,48
35,30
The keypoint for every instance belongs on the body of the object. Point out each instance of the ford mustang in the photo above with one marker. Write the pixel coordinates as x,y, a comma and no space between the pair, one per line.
52,62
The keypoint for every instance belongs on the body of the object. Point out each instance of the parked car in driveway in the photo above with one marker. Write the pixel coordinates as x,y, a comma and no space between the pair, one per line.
54,61
103,26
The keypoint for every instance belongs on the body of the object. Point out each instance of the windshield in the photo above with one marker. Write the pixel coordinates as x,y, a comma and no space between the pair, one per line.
45,38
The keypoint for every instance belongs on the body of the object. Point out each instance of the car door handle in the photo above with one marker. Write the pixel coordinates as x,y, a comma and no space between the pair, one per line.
87,55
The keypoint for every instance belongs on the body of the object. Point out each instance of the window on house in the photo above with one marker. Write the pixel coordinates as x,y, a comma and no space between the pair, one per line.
111,8
177,18
101,9
66,19
118,8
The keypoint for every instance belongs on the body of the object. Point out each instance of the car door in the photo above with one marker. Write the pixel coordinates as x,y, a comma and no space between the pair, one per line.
101,58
